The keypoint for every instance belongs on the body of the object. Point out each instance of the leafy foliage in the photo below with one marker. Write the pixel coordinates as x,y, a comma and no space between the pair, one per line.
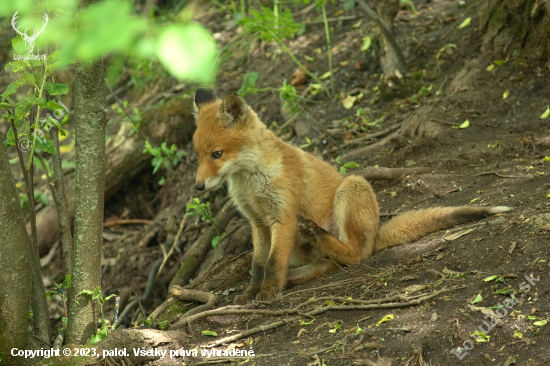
163,157
111,27
269,26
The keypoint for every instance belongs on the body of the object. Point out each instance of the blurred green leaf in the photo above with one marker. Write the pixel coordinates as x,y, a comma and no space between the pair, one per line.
188,52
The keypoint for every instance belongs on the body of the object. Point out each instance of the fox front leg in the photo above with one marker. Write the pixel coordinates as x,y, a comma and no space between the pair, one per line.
262,242
283,238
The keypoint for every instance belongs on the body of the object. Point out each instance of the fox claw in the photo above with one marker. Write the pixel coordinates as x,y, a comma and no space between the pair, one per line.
268,295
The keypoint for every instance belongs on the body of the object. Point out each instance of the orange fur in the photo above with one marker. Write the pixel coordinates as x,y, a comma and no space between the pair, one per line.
282,190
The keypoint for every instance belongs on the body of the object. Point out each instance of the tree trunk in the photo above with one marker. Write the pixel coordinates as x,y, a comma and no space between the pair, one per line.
89,100
508,25
15,276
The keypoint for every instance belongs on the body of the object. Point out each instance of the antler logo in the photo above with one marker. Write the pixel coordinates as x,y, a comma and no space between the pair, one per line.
29,40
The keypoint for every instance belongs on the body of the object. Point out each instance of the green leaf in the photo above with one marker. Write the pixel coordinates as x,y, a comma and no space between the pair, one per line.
29,78
249,84
490,278
56,88
540,323
45,145
18,45
100,335
504,291
209,333
162,325
343,170
464,124
546,113
465,23
480,336
12,88
351,165
477,299
188,52
367,42
215,241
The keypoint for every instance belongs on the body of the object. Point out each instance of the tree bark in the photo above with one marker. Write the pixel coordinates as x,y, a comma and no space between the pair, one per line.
62,205
89,100
514,24
15,250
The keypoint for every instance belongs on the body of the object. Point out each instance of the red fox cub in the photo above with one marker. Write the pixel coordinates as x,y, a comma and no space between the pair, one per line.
282,190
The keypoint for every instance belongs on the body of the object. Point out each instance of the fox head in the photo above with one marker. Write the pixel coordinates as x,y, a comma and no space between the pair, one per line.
220,136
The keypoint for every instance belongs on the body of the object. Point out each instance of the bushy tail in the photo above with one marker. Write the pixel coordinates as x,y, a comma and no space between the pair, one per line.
411,226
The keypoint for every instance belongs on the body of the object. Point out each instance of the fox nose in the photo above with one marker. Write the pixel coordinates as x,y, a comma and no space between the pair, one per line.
199,186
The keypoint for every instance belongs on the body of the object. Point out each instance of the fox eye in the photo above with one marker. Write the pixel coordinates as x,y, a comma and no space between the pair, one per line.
217,154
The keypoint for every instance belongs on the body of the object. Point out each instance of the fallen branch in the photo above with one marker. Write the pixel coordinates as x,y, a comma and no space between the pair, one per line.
184,294
497,174
324,309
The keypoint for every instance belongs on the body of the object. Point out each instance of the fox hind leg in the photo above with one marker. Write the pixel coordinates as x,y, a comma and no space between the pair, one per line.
355,218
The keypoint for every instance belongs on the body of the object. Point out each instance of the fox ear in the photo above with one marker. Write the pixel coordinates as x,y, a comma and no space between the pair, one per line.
232,110
203,96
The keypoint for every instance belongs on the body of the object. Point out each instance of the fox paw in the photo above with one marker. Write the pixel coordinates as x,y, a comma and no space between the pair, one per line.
243,299
309,229
247,297
269,295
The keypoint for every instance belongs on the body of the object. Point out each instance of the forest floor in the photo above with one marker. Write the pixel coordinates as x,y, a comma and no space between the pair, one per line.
499,159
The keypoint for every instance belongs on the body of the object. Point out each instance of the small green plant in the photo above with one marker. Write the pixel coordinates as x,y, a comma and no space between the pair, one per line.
344,167
287,92
134,118
196,208
321,5
275,25
104,324
163,157
61,289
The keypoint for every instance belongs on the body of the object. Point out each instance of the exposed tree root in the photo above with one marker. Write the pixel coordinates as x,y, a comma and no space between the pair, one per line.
361,305
195,255
370,148
193,295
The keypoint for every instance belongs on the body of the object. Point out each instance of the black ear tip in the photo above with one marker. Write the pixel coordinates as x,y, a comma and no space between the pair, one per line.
204,95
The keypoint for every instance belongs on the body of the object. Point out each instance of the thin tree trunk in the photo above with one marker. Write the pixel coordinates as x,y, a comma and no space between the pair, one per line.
15,250
89,100
62,205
